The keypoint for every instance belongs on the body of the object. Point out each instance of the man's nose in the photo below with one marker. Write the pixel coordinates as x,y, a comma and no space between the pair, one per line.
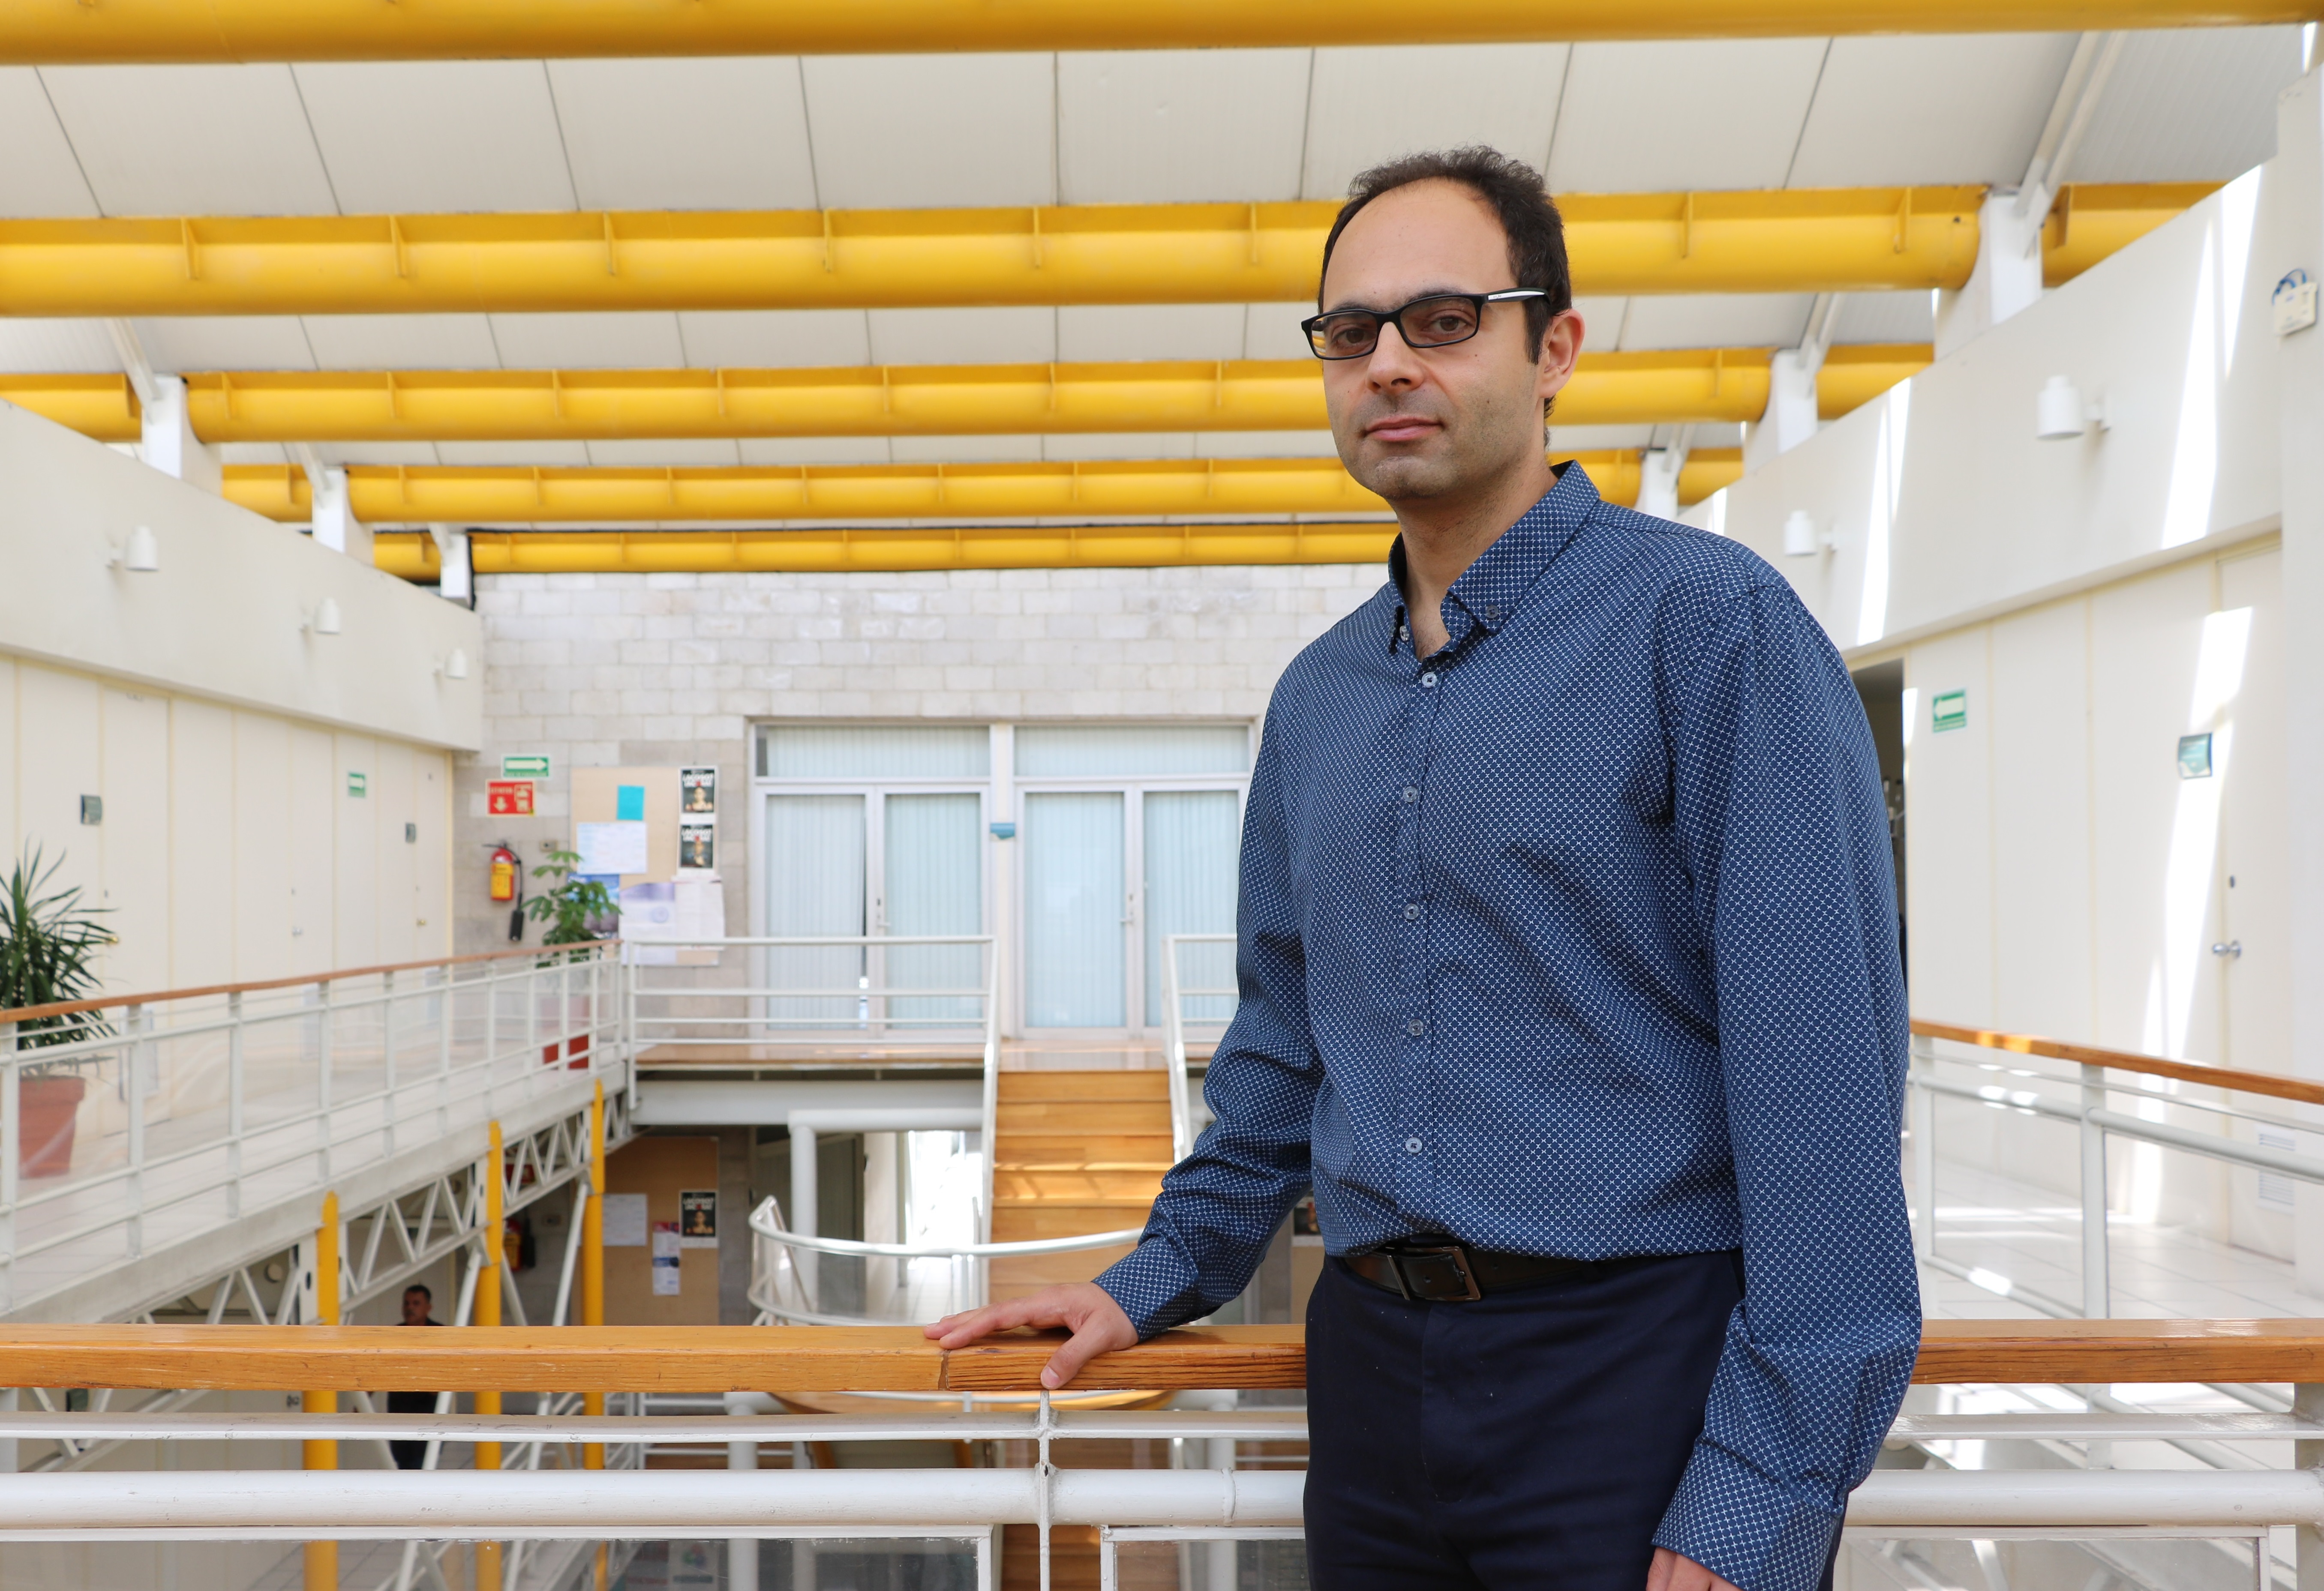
1393,363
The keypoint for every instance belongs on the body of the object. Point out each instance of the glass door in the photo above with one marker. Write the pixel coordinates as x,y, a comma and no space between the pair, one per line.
932,882
818,885
1192,839
1077,909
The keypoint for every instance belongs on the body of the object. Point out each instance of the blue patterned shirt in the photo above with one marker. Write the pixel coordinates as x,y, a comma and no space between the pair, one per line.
1578,938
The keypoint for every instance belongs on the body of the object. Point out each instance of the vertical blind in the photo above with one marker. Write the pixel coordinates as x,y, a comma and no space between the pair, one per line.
1075,965
935,883
1191,839
814,886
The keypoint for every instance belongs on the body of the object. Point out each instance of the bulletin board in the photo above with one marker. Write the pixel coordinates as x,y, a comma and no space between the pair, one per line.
662,1169
597,798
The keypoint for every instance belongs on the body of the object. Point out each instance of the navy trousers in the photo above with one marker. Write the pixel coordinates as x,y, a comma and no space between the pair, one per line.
1531,1438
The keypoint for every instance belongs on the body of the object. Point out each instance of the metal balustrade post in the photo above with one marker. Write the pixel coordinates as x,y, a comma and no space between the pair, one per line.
493,1232
235,1080
387,1060
492,1029
322,1558
11,1129
592,1265
323,1084
447,1008
2097,1293
532,1021
1925,1148
2308,1407
133,1057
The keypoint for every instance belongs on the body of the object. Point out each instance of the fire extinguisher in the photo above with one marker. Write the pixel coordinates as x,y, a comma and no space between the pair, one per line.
508,884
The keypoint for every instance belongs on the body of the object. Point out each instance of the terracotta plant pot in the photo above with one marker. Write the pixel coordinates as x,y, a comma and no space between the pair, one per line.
47,1108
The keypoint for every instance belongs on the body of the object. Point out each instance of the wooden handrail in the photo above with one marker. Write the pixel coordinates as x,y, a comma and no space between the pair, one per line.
898,1358
110,1002
2195,1072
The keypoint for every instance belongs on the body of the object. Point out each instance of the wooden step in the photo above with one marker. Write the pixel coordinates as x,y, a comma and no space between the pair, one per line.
1076,1185
1081,1152
1014,1278
1027,1223
1081,1115
1084,1085
1072,1557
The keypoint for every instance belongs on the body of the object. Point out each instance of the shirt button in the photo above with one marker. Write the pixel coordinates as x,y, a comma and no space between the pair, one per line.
1412,913
1494,613
1411,1145
1410,795
1415,1027
1428,682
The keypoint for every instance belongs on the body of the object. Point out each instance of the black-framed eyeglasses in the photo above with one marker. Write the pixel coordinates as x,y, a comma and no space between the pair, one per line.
1436,321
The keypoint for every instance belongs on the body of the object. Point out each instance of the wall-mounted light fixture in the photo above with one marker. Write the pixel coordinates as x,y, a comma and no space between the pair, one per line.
141,554
2060,413
325,619
455,665
1800,539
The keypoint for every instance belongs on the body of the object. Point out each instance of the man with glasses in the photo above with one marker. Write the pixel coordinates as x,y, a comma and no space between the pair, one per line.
1569,980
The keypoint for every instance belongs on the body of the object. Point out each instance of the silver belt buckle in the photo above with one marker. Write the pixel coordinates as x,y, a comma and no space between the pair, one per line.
1438,1273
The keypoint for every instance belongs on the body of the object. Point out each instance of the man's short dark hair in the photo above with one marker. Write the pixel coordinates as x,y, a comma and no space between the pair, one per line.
421,1289
1516,196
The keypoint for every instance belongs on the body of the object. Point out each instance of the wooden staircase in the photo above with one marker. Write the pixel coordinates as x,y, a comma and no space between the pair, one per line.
1074,1152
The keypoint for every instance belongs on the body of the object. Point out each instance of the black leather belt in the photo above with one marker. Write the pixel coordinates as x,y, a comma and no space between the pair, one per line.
1440,1271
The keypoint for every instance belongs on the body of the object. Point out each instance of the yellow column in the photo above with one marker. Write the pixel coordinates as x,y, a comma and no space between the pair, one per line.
592,1271
322,1558
488,1313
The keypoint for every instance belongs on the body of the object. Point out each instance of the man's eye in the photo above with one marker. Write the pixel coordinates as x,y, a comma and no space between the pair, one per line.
1347,334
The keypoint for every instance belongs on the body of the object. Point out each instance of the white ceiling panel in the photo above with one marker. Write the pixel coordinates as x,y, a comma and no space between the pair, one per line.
63,347
514,454
1069,448
964,449
1181,127
389,453
964,336
705,133
38,176
437,136
774,339
1149,331
1372,105
1658,117
815,450
226,342
906,130
1886,317
1716,320
2188,105
1570,439
589,341
1962,107
1601,320
1265,444
670,452
191,140
403,342
1271,331
254,453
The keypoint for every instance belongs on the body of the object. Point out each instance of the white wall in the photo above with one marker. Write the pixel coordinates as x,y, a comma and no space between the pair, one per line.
218,733
232,848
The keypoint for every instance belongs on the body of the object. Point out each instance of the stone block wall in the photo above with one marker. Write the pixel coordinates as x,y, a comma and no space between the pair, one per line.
624,670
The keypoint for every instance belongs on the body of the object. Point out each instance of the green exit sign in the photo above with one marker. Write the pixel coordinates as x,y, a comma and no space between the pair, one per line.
358,785
1949,711
524,767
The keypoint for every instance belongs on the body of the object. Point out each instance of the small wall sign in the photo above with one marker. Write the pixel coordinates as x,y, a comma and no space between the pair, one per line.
2195,756
358,785
1949,711
531,767
509,797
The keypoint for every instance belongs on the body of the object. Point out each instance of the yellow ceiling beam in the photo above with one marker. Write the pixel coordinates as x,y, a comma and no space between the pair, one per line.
45,32
2093,219
884,549
1700,386
1784,241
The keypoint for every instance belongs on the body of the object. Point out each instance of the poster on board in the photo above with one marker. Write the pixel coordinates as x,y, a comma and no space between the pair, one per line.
698,1218
666,1257
697,846
697,792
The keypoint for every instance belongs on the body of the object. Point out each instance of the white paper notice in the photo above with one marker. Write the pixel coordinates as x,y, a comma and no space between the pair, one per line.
610,847
625,1220
701,907
666,1240
665,1259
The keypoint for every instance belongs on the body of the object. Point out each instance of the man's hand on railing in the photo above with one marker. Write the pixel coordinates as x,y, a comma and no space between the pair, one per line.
1082,1308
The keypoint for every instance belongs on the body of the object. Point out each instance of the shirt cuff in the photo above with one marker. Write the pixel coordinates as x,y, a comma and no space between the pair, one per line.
1746,1529
1155,1286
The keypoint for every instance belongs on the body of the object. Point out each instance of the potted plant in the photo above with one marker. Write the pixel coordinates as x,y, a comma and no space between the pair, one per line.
575,908
48,945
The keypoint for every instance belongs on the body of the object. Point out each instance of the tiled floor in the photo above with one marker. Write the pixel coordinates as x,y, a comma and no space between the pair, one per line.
2032,1237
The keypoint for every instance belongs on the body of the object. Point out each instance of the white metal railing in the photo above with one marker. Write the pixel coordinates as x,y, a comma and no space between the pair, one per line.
897,1284
2080,1094
1177,991
898,995
202,1108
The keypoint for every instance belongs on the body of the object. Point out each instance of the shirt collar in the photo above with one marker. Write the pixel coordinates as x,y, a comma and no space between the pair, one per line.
1490,589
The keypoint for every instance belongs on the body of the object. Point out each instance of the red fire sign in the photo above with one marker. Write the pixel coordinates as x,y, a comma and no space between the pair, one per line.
509,797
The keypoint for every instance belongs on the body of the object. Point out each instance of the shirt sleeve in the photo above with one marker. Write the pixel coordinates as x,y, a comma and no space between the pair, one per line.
1778,802
1220,1207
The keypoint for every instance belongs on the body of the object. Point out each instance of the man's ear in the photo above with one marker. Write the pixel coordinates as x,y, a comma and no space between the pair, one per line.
1560,347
